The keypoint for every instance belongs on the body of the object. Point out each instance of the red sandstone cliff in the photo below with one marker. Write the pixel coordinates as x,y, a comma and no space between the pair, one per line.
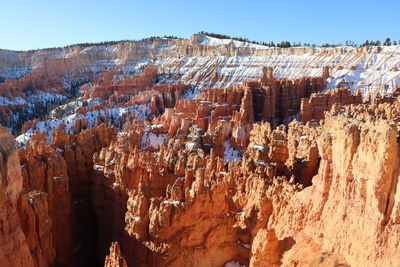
45,170
14,250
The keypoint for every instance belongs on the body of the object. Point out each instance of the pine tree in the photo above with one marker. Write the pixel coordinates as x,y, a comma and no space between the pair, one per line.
366,43
387,42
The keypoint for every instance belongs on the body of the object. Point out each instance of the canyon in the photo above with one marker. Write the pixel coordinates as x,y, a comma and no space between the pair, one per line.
200,152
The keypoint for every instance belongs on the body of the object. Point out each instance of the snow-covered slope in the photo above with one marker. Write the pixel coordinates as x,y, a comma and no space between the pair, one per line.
113,115
368,72
212,41
211,62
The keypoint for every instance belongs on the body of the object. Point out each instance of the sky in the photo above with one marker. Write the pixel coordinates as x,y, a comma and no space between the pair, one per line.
28,24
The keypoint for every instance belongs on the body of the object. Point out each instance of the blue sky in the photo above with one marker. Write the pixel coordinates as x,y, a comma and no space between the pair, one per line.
27,24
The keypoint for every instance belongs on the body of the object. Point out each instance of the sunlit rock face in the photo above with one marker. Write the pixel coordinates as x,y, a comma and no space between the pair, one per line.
199,152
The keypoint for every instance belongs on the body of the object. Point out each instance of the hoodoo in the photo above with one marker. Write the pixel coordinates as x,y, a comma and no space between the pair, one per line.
210,151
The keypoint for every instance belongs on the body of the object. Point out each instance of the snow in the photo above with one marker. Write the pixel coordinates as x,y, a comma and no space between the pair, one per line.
113,115
234,264
98,168
157,126
212,41
66,109
190,146
23,139
93,101
45,98
261,162
34,102
191,93
258,147
154,140
5,101
58,177
364,71
246,246
240,213
122,133
14,72
171,202
230,153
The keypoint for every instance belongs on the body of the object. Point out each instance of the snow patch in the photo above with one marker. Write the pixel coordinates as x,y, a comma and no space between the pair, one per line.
234,264
246,245
14,72
98,168
152,139
113,115
231,154
190,146
45,98
191,93
171,202
5,101
258,147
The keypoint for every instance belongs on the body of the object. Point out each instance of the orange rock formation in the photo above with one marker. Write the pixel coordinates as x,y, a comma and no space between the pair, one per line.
227,178
314,108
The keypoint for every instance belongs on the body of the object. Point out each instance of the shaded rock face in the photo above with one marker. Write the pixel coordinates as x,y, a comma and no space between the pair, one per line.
14,250
48,217
45,170
33,212
77,151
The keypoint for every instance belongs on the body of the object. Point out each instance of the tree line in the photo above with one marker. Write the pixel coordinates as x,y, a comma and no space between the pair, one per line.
282,44
286,44
106,43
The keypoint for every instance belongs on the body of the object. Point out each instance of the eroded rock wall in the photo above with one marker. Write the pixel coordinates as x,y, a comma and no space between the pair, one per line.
14,250
213,212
